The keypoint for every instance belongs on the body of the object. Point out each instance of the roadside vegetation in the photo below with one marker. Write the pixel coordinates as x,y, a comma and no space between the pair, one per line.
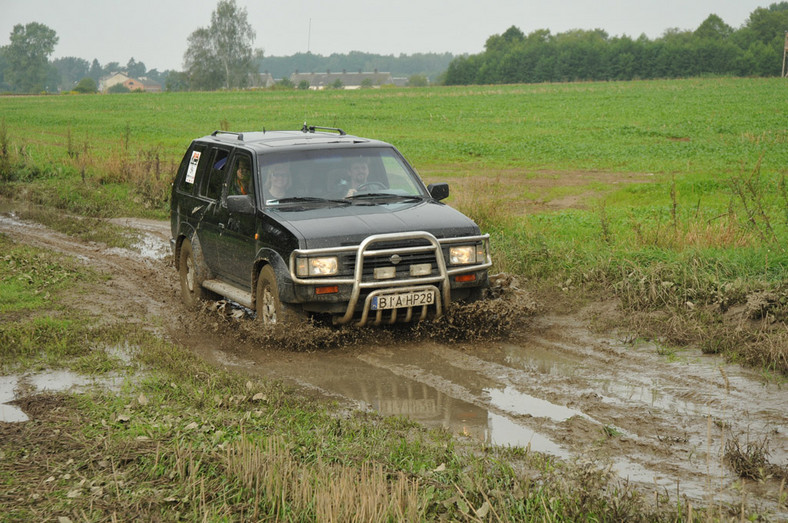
666,197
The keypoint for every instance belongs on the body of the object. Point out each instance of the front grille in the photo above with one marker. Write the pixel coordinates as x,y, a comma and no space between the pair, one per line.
405,259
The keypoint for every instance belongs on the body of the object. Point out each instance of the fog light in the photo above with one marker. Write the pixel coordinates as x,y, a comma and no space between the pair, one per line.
421,269
385,273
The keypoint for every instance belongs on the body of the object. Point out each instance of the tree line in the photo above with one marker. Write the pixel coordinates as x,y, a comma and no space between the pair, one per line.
714,48
221,56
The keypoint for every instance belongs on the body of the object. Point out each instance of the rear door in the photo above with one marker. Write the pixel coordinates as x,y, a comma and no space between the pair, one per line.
209,215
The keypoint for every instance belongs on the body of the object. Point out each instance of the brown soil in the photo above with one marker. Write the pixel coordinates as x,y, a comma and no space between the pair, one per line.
501,374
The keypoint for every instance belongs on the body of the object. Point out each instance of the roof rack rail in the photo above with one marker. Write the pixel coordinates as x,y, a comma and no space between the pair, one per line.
312,128
218,132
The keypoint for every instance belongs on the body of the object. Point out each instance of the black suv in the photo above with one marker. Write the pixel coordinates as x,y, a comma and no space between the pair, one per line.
294,224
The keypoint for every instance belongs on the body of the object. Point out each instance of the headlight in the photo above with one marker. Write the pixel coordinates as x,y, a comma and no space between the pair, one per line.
463,255
326,266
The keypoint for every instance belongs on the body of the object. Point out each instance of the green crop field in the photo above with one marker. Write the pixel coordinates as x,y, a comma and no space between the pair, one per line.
707,126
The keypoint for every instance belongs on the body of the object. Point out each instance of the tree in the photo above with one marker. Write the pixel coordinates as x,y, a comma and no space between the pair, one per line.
222,53
714,28
96,72
71,70
135,69
86,86
201,63
176,81
418,80
27,57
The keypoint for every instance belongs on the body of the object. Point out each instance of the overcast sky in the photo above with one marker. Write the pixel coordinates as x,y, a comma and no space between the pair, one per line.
155,32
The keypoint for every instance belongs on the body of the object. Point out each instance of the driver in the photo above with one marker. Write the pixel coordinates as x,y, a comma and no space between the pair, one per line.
359,172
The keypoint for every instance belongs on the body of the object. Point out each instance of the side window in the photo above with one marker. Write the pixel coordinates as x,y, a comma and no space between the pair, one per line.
217,174
241,179
187,171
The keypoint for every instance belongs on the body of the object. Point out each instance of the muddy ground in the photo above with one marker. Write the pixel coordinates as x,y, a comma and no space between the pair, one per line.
659,418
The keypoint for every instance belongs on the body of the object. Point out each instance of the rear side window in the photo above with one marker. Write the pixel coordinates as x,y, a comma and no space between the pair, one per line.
215,166
187,172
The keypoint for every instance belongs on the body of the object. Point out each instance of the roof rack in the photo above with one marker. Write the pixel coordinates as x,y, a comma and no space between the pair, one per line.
218,132
312,128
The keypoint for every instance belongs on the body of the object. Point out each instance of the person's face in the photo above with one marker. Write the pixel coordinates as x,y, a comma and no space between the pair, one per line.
241,173
280,176
359,173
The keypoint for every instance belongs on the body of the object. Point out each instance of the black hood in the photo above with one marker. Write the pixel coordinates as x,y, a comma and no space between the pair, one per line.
350,225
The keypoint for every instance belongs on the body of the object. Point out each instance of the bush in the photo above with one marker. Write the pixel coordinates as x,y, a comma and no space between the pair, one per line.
118,88
86,86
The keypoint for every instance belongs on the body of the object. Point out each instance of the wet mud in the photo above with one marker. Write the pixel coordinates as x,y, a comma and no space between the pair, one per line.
502,372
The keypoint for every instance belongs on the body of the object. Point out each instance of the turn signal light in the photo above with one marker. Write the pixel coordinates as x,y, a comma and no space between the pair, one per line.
330,289
462,278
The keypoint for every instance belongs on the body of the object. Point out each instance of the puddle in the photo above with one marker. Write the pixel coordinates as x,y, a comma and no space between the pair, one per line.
517,402
153,247
9,413
122,351
507,433
50,381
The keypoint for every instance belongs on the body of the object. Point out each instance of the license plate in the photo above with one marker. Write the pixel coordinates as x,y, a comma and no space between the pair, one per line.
408,299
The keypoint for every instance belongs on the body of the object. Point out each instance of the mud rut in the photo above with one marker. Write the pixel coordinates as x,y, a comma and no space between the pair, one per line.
554,386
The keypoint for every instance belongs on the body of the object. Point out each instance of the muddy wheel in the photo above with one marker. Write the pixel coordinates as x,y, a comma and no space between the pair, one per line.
192,291
270,310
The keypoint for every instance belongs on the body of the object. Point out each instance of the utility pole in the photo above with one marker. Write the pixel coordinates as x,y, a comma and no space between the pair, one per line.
785,53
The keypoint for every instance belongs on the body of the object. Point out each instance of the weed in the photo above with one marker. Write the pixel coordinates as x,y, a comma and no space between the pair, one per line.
750,459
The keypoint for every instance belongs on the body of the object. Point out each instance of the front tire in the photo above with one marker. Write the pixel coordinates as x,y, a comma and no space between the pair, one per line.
270,309
192,291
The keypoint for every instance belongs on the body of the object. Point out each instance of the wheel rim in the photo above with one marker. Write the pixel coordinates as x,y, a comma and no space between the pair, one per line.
189,274
268,307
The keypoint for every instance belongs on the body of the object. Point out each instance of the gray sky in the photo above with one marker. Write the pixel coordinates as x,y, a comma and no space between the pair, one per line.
155,32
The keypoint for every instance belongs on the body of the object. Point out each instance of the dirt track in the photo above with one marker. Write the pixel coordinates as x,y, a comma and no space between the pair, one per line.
554,385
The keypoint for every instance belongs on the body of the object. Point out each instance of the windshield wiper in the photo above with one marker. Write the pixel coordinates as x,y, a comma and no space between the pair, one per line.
386,195
307,199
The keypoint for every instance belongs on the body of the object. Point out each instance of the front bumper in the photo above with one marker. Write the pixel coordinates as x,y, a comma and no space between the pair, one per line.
394,249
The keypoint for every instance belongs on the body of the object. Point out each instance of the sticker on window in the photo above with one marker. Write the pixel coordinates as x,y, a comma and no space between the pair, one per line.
192,166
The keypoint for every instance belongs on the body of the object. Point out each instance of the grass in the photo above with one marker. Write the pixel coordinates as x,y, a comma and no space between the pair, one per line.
183,440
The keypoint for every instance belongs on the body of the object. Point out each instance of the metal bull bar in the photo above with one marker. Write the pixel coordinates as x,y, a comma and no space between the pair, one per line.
438,283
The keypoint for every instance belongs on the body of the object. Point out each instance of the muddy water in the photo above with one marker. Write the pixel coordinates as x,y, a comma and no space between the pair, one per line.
662,422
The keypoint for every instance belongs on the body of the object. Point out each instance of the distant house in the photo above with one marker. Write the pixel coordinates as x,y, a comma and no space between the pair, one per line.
149,86
132,84
343,80
261,80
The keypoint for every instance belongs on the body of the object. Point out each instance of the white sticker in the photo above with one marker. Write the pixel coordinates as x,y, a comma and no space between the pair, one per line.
193,166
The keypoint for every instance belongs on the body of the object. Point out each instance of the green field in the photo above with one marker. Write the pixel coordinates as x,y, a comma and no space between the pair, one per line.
706,126
657,193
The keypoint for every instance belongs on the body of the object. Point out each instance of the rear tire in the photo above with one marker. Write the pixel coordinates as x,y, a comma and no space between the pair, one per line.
192,291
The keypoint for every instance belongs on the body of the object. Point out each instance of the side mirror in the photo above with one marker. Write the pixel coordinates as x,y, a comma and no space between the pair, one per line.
240,204
439,191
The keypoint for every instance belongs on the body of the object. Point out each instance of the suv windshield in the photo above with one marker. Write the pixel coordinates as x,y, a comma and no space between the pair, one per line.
336,174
